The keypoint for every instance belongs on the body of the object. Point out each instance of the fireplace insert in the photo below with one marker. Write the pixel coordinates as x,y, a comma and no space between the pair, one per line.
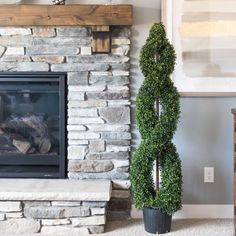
32,125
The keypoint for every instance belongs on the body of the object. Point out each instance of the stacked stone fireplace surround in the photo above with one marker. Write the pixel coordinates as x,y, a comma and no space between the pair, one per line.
98,122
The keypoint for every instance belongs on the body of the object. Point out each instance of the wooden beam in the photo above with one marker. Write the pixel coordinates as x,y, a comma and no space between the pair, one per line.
101,28
65,15
101,43
101,39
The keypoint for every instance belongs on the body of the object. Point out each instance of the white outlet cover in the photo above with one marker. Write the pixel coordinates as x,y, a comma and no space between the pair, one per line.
208,174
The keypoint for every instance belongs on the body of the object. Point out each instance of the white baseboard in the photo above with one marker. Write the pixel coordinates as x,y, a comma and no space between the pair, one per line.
197,212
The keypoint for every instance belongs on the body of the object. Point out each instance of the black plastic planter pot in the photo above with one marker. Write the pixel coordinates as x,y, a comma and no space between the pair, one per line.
156,221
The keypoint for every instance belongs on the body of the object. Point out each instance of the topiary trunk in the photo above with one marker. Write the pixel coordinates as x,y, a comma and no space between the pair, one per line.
157,62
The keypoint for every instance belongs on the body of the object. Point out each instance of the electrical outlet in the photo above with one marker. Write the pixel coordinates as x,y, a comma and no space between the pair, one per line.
208,174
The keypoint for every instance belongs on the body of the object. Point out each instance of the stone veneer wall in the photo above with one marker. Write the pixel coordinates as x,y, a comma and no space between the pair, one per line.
52,217
98,98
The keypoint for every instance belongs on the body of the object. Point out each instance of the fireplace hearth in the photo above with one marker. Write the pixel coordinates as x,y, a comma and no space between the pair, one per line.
32,125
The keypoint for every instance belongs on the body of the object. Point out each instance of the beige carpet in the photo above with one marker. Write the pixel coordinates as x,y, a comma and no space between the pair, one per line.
179,228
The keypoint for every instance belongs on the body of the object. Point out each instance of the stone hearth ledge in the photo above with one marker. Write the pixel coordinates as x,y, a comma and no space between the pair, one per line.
54,190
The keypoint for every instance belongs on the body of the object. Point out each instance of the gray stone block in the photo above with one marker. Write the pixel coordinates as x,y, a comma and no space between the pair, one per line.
71,67
13,58
96,146
98,211
66,204
76,128
108,128
15,31
87,104
86,50
73,31
84,88
62,41
115,155
2,217
123,169
122,50
108,95
94,204
24,66
51,50
32,66
109,80
19,226
77,212
120,72
116,115
49,59
16,40
15,51
93,156
84,121
121,163
88,166
105,58
28,204
105,175
77,142
10,215
81,112
115,103
77,78
10,206
55,222
114,148
116,88
76,96
101,73
77,152
44,212
83,135
118,142
124,66
117,135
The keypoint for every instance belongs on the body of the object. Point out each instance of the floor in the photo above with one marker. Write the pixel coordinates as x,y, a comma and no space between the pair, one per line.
179,228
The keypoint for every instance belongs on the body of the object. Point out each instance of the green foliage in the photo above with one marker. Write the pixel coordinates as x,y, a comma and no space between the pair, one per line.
157,132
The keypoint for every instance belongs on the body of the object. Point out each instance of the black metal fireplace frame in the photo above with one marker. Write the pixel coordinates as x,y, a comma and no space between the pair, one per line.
52,162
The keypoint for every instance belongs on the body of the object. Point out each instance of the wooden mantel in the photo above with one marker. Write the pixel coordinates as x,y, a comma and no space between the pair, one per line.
65,15
100,17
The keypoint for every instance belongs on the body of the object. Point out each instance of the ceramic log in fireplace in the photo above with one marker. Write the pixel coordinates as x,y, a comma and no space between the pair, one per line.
32,125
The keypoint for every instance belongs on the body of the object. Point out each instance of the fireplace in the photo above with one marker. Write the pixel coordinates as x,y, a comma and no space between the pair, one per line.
32,125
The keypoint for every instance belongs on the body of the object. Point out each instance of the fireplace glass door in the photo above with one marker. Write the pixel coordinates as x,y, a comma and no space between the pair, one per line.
32,125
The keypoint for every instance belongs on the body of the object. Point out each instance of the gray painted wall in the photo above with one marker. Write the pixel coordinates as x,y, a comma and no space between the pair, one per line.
205,139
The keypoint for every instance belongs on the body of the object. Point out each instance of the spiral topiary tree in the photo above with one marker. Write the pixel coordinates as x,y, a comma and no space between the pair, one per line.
157,62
